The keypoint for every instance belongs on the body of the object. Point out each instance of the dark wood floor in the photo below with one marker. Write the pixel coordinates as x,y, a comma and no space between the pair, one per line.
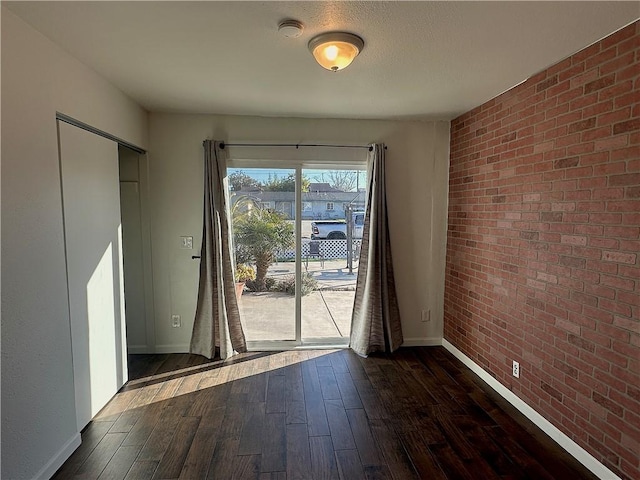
418,413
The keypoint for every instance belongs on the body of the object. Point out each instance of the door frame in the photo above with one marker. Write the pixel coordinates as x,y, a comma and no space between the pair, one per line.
297,166
145,234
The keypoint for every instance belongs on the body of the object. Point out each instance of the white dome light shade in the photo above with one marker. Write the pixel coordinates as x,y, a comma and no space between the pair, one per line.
335,51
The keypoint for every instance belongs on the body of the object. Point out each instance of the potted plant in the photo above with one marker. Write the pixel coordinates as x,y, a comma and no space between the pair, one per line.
243,273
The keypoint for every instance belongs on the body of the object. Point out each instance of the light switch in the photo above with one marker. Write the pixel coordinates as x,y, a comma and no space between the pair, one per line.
186,242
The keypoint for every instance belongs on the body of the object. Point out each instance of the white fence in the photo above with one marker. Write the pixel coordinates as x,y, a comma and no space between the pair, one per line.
329,249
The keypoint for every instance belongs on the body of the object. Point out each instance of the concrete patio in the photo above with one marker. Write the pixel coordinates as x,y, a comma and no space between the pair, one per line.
326,312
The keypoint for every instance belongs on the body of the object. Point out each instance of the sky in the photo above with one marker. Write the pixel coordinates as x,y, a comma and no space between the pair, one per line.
314,175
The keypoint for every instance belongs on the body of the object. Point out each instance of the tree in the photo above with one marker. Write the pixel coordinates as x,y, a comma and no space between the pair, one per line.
257,235
343,180
239,180
286,184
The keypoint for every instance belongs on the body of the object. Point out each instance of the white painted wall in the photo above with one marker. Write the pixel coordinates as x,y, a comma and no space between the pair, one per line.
417,160
38,79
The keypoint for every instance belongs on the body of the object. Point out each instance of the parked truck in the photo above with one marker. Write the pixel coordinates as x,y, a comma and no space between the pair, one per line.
337,229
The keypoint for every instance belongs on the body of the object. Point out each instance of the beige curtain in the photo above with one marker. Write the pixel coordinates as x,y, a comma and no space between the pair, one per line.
217,322
375,324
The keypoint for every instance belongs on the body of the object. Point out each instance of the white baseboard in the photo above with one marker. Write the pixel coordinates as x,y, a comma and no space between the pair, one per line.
178,348
59,458
135,349
545,425
422,342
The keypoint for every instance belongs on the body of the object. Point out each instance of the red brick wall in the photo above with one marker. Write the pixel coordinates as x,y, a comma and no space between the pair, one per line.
544,245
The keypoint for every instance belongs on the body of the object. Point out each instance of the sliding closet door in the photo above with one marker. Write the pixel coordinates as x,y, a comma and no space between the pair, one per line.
90,192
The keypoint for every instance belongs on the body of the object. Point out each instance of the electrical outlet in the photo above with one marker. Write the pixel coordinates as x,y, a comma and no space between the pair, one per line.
176,321
426,316
516,369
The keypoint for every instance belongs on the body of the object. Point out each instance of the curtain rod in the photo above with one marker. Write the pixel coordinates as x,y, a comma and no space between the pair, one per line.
297,145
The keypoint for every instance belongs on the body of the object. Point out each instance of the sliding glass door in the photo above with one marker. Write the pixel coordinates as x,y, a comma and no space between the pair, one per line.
296,233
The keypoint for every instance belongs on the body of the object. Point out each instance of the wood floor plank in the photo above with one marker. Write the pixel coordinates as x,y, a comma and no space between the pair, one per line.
397,384
233,421
518,455
120,463
145,396
273,476
316,414
349,466
377,472
328,383
141,431
455,438
356,370
310,379
323,459
338,363
453,466
365,443
167,389
177,450
161,436
214,377
246,467
296,412
141,470
322,357
189,384
276,394
116,406
258,388
126,421
223,456
198,460
370,400
208,399
417,413
298,453
341,434
91,437
274,443
394,453
348,391
488,450
294,387
421,457
100,456
251,436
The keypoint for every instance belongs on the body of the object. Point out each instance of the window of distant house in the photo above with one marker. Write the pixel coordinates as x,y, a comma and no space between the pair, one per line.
307,206
266,205
330,206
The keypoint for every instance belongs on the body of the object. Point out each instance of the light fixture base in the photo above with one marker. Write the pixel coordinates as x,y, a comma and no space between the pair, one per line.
335,50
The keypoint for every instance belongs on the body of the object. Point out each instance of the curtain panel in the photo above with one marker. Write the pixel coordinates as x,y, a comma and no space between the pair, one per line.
375,323
217,326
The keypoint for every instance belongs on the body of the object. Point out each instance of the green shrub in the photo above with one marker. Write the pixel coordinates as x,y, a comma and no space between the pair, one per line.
270,283
288,284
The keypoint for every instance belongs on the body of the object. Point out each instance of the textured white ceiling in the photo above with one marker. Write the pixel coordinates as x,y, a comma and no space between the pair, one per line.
420,60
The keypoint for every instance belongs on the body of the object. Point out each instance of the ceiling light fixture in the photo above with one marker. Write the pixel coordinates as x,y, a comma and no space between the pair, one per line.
335,50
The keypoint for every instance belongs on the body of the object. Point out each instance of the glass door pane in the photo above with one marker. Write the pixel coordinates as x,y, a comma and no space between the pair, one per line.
263,211
333,203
